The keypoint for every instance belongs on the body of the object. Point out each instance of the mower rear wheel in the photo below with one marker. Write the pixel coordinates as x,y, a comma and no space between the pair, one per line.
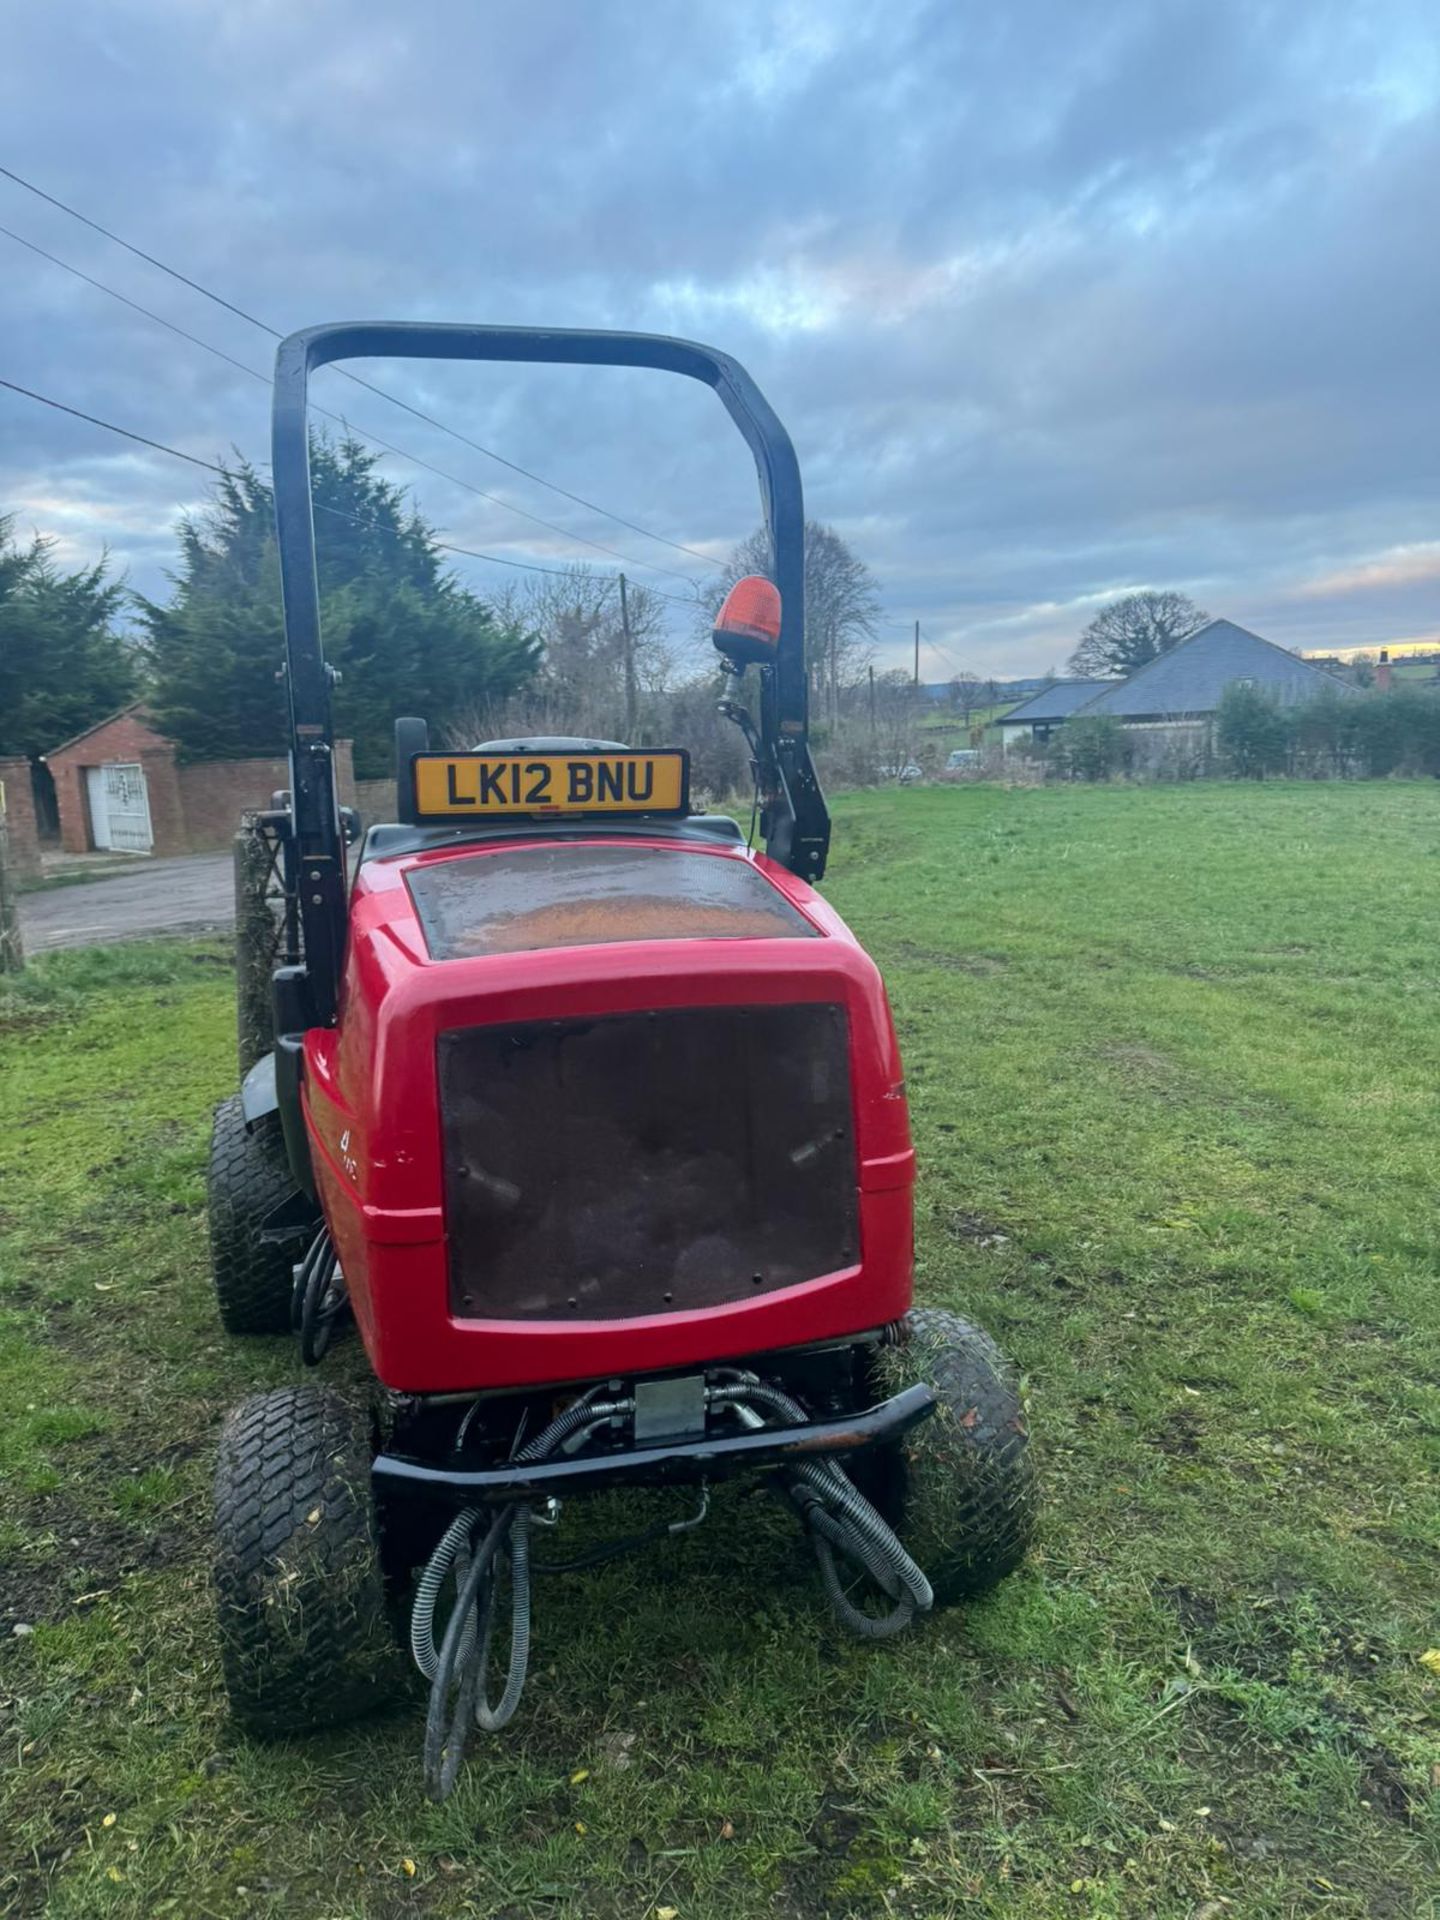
960,1490
304,1637
249,1178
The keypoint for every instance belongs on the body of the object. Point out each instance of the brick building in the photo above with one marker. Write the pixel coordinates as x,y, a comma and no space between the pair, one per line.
120,787
17,804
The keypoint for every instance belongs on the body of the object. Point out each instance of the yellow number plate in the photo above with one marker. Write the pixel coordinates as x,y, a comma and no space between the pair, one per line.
461,785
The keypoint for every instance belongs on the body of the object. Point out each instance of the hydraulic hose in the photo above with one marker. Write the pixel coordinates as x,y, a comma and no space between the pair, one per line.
316,1302
838,1517
454,1543
445,1732
492,1719
461,1664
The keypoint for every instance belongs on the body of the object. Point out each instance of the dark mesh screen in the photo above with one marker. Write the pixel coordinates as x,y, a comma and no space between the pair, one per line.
648,1162
570,896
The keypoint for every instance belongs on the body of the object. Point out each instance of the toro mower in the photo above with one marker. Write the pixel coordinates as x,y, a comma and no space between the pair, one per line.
591,1115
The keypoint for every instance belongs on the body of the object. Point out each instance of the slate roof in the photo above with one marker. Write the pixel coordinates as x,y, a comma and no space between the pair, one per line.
1191,677
1055,702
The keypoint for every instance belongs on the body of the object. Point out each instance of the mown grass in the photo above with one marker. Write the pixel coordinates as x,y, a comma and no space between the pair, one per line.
1173,1076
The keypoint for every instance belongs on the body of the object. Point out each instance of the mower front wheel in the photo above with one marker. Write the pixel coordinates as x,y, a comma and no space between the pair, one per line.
249,1178
960,1491
304,1638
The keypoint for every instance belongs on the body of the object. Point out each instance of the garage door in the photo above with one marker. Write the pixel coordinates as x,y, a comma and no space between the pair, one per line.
120,808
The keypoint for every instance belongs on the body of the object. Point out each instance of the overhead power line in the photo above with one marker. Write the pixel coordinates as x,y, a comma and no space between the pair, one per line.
370,526
926,646
254,373
110,427
340,419
592,506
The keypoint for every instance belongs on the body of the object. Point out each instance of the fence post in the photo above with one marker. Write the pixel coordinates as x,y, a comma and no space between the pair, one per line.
12,953
255,929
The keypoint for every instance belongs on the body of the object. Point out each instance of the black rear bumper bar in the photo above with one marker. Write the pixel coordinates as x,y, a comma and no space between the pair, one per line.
670,1461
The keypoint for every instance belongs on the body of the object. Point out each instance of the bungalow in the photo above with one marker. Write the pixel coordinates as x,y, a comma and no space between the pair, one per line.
1039,716
1171,701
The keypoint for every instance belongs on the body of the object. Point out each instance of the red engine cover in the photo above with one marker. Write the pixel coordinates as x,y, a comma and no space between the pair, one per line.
573,948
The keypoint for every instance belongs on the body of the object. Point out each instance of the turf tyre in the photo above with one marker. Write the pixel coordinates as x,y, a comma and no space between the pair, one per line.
249,1178
960,1491
300,1596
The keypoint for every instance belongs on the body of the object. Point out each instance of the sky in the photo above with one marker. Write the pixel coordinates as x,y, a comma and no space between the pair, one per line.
1057,299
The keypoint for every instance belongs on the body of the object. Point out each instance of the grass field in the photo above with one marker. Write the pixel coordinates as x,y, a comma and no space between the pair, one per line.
943,728
1173,1066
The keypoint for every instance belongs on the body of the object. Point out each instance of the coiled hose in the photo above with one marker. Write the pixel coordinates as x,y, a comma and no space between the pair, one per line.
834,1512
838,1517
461,1663
317,1299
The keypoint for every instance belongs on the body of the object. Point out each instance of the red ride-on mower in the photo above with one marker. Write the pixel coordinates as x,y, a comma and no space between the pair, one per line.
593,1118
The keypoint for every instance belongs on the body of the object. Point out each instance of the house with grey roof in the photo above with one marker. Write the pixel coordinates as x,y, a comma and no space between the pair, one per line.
1170,702
1187,682
1039,716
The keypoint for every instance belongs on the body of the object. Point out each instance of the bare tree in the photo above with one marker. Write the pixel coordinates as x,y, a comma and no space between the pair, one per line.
967,692
898,705
1134,629
842,607
581,686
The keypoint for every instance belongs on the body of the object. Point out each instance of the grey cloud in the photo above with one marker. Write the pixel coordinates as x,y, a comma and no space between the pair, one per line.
1055,297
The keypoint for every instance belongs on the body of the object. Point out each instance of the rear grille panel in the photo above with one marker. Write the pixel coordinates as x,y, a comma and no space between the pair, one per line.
646,1163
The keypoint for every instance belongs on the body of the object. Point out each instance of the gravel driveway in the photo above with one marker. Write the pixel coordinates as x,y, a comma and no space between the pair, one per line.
153,896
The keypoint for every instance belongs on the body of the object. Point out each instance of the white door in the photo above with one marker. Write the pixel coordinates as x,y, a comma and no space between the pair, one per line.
95,794
120,808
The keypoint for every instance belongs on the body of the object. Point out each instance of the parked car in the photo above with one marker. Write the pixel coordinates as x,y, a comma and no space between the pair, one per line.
964,758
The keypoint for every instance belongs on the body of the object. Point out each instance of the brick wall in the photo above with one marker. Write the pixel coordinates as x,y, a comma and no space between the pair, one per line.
376,801
214,793
73,807
167,805
19,811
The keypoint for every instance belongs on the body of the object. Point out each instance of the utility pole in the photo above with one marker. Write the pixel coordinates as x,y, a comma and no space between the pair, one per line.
632,692
874,735
917,653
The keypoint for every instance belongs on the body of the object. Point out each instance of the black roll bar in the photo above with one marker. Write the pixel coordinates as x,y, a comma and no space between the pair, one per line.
796,823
